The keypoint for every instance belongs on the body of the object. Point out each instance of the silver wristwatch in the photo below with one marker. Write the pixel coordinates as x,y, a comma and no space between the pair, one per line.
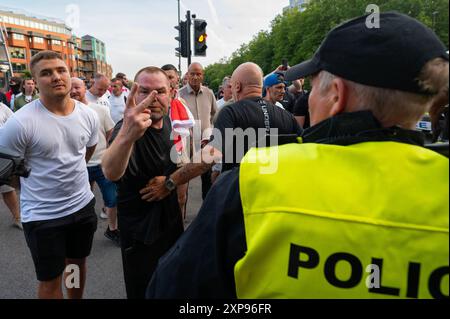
170,184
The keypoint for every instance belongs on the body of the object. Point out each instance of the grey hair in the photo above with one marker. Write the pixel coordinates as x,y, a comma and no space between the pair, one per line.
394,107
99,76
226,80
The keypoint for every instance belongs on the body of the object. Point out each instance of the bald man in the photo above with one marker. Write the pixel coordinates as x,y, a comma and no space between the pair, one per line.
98,93
202,103
239,127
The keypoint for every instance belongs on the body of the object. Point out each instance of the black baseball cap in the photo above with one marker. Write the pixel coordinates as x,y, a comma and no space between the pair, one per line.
390,56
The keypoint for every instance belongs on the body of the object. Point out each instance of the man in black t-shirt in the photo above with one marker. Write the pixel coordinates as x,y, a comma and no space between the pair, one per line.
239,127
301,110
249,112
140,150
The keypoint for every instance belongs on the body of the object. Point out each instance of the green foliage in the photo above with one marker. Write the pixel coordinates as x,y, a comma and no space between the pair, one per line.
296,35
27,74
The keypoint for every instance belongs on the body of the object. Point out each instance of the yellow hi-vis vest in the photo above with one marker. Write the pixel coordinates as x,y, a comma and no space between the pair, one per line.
369,220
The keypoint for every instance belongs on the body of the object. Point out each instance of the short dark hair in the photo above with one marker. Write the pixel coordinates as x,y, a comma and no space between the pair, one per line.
120,75
151,70
16,79
169,67
44,55
116,79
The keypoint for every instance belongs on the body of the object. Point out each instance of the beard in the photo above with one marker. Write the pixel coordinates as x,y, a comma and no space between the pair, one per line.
156,118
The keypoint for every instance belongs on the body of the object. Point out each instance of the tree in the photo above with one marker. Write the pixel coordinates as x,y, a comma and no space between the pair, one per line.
296,35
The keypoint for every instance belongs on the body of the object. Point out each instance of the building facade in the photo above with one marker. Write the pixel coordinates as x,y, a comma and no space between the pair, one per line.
26,35
299,4
92,57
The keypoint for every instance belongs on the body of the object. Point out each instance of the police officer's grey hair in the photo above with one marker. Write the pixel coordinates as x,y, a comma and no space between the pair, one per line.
388,105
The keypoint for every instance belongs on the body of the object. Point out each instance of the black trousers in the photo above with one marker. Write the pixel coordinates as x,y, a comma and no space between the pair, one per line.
140,260
206,184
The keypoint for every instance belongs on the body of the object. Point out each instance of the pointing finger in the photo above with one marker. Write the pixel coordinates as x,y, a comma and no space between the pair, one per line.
131,102
147,101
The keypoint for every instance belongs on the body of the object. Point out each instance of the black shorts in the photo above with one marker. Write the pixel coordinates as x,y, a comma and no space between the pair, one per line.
52,241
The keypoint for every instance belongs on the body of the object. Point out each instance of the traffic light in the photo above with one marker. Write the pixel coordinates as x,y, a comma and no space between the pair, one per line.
183,39
200,37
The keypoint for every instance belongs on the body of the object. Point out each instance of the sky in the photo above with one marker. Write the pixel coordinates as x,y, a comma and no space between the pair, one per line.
141,33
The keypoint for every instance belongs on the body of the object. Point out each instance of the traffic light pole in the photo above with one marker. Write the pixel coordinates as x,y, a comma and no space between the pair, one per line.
188,21
179,57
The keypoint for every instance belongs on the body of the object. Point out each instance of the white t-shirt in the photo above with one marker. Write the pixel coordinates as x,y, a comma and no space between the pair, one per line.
97,100
105,124
5,113
117,106
220,103
54,147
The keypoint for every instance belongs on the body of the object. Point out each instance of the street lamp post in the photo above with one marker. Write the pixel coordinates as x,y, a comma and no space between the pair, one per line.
435,13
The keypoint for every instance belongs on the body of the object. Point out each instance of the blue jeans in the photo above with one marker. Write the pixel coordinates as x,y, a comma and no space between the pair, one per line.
108,188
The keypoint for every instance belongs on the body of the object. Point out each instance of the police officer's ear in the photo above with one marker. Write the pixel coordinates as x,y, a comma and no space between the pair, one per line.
339,97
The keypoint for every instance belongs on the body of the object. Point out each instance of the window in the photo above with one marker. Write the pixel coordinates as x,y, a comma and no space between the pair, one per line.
18,36
17,53
19,67
56,42
34,52
38,40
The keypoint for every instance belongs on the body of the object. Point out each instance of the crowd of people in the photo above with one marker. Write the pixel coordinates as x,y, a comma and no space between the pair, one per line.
290,178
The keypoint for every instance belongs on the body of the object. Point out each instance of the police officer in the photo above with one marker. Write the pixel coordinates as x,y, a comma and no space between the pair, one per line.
372,219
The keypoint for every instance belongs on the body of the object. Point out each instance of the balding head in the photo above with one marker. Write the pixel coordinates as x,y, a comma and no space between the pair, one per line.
100,86
247,81
196,74
78,91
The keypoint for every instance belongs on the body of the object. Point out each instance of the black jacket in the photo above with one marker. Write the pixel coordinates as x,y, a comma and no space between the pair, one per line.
201,263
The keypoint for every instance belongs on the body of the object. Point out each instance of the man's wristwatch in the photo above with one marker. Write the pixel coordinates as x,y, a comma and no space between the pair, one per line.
170,184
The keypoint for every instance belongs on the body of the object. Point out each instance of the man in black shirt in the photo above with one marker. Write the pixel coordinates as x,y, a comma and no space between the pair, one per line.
301,110
140,150
239,127
249,112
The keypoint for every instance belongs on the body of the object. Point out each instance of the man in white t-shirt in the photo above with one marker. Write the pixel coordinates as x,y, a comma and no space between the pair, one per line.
56,136
108,188
97,92
117,100
9,193
227,95
125,83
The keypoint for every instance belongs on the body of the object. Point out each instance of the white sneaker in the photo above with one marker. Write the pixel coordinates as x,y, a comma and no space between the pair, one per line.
103,214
